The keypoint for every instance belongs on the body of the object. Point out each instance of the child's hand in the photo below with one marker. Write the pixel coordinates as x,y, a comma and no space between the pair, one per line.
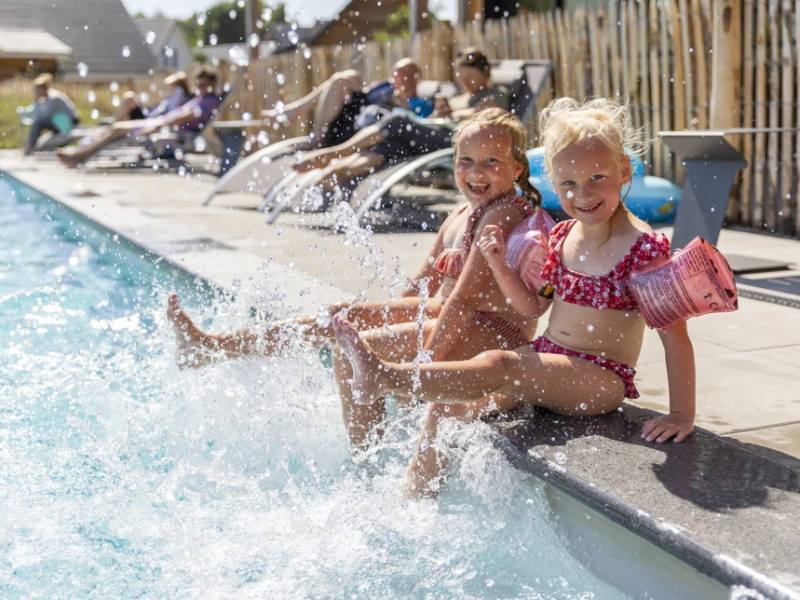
661,429
492,245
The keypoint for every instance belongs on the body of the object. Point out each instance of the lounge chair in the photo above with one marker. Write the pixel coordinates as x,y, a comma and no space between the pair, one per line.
262,170
524,79
167,148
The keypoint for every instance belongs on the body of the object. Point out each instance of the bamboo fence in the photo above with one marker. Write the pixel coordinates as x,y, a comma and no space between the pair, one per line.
656,53
659,54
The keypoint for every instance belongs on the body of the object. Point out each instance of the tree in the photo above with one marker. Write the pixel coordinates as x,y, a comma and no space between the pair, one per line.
228,21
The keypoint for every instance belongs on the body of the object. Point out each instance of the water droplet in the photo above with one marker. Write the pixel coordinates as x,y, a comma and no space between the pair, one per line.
91,96
570,194
201,19
168,52
590,328
281,79
262,138
582,257
583,406
95,114
150,37
232,15
113,87
83,70
213,39
126,51
490,583
253,40
115,100
307,53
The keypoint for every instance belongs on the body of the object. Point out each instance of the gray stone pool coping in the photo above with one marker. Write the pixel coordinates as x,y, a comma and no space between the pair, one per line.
726,501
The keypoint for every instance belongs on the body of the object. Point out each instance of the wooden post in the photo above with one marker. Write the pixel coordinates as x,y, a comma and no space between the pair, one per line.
726,74
797,138
748,41
761,112
787,118
771,201
701,71
655,86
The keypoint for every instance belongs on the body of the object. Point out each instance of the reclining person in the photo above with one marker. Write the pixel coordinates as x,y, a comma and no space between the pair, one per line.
342,103
176,94
51,111
398,137
190,118
393,139
474,77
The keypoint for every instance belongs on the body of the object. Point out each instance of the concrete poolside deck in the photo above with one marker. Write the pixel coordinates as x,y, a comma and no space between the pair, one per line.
727,500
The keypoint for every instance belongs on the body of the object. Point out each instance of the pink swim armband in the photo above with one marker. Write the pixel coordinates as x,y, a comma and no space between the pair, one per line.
696,280
527,248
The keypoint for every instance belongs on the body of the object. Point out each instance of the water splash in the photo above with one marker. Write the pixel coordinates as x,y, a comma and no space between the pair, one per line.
129,475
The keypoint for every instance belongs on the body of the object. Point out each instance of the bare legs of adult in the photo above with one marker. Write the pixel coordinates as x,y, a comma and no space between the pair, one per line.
72,157
327,102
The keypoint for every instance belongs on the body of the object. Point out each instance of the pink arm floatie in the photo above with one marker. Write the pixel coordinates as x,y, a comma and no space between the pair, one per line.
527,248
694,281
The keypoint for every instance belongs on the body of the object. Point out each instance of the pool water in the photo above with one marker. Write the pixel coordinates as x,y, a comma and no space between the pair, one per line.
125,477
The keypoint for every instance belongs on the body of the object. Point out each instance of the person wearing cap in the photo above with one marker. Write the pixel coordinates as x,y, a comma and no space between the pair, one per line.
51,111
176,94
190,118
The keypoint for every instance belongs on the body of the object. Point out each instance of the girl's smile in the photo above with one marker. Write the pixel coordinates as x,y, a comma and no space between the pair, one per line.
485,168
588,177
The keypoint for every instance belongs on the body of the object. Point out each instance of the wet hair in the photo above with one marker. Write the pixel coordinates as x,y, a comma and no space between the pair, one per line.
566,121
502,119
475,58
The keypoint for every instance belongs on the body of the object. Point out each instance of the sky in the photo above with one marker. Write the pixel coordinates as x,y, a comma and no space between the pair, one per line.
305,12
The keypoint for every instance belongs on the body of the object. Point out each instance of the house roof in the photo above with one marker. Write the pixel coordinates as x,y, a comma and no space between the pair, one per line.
287,37
31,43
97,31
162,30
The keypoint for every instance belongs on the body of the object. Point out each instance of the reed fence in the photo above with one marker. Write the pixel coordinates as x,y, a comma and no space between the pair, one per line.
660,54
657,53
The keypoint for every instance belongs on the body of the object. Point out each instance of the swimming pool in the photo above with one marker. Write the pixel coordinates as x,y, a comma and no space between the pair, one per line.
124,477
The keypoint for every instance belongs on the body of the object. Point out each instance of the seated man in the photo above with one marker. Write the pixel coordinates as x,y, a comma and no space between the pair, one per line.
340,103
52,111
176,93
191,117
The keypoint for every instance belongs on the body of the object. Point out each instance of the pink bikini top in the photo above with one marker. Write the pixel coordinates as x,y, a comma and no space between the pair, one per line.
604,291
451,261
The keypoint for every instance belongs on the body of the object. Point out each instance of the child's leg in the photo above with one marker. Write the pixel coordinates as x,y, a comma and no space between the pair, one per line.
561,383
195,346
401,343
426,471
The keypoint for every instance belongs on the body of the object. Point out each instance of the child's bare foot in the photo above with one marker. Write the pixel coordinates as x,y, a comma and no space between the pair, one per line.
194,346
366,365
